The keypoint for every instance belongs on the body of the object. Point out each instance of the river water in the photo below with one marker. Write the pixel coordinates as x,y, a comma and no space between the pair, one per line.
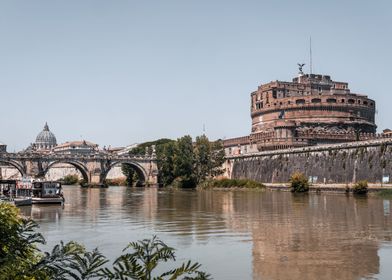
233,234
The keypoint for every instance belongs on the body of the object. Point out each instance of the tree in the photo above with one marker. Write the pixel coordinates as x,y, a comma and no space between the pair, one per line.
165,160
209,158
140,149
203,163
130,174
184,160
17,243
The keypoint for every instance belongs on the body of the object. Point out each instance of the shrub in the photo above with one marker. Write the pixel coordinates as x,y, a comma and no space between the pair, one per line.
299,183
116,182
71,179
231,183
360,187
385,194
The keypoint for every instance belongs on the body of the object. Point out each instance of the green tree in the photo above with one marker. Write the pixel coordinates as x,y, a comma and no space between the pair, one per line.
165,160
209,158
131,175
203,162
17,243
217,158
184,160
141,148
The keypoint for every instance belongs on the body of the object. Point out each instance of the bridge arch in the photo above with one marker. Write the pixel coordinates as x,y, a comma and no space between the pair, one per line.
140,170
78,165
15,164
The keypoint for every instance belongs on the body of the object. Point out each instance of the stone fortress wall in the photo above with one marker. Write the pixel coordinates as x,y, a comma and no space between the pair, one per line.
336,163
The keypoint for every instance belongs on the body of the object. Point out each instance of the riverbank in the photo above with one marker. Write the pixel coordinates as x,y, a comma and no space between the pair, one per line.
225,183
329,187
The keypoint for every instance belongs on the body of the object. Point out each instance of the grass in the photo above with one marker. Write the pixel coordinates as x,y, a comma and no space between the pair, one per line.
385,194
231,183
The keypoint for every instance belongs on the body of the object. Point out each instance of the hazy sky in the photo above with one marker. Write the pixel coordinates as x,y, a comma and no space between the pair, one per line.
121,71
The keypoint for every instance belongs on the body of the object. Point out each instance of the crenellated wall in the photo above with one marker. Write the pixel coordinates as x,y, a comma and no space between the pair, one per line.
338,163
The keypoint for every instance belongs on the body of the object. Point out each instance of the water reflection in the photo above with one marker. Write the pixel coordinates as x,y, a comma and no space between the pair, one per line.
235,234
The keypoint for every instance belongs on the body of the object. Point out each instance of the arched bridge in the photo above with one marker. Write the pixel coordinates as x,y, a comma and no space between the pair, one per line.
93,167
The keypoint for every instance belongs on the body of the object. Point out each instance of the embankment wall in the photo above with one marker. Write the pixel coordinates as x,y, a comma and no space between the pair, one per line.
339,163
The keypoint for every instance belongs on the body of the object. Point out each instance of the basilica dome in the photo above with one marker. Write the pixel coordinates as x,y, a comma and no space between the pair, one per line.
45,140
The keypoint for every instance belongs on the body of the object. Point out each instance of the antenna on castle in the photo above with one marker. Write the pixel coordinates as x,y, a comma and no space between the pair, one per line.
310,55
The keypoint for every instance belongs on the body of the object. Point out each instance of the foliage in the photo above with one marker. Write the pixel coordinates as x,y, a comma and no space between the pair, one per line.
17,243
209,157
140,150
385,194
360,187
71,179
21,259
299,183
116,182
231,183
165,158
130,174
185,163
143,259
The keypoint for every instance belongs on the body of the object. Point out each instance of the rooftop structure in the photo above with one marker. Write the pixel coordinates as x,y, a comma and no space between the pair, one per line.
311,109
76,147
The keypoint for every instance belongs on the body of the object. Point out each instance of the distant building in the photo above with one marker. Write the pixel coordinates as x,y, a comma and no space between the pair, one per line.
387,132
310,110
44,142
76,147
3,148
124,150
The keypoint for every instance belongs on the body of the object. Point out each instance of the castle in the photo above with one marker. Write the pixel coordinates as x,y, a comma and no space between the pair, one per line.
312,109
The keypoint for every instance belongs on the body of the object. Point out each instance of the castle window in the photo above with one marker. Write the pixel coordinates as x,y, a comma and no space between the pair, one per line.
331,100
359,101
351,101
371,104
365,103
342,100
319,89
300,101
316,100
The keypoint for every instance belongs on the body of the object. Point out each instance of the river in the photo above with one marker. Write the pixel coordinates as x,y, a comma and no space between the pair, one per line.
234,234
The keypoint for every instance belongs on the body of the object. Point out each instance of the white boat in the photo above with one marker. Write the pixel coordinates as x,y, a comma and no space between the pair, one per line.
16,192
47,192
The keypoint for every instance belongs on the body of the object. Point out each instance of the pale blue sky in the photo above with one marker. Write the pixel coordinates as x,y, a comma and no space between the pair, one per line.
120,72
